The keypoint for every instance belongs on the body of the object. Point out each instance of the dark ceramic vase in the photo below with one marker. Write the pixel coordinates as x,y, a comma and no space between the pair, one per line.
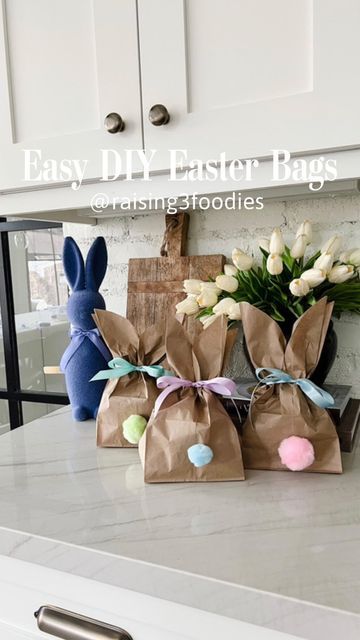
327,357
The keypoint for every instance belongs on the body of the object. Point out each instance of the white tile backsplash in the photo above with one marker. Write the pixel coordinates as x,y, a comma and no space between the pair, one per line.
218,232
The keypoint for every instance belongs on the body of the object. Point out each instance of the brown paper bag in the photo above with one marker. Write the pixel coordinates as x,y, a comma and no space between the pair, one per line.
192,415
282,410
134,394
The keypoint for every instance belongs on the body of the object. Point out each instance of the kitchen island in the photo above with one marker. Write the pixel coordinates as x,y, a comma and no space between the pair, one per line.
280,550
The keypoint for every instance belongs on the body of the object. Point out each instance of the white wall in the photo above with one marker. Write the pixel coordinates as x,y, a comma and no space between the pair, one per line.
219,232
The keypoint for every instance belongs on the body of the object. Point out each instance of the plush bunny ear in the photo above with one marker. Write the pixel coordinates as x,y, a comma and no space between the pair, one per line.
73,264
264,339
96,264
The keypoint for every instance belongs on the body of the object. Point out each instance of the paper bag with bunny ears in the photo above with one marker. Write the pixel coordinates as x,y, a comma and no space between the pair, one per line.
189,436
279,412
132,394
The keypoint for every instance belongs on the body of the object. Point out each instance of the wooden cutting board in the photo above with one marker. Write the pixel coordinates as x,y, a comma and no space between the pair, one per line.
155,285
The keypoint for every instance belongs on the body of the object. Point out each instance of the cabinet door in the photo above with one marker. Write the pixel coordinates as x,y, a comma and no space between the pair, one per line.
65,65
251,76
11,633
25,587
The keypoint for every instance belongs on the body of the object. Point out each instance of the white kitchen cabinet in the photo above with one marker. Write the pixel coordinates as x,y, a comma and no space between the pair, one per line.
239,78
25,587
12,634
64,66
248,77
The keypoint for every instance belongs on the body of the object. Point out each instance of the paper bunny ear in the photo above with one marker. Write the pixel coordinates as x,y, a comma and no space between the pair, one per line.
96,264
307,340
73,264
179,352
264,339
118,333
152,343
209,348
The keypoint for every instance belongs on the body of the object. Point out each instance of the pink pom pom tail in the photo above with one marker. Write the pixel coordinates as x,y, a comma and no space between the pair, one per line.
296,453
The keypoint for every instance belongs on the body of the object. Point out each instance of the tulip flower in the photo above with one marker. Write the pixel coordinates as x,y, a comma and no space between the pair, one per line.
299,247
264,243
241,260
207,298
274,264
234,312
276,244
332,245
354,258
344,257
299,287
192,286
189,306
305,229
341,273
230,270
207,320
324,262
227,283
210,285
224,306
314,277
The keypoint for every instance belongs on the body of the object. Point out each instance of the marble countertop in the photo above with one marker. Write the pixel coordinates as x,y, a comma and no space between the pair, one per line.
280,550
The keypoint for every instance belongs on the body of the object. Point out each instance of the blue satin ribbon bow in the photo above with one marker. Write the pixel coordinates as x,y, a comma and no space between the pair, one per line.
321,398
120,367
77,338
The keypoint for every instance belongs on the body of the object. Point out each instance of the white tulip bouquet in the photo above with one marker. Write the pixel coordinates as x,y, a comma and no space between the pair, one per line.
286,284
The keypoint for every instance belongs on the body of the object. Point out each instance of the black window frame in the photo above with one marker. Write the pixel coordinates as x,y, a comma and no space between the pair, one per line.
13,393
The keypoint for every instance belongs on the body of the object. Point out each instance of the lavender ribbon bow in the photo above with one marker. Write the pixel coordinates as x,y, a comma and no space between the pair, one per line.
222,386
77,338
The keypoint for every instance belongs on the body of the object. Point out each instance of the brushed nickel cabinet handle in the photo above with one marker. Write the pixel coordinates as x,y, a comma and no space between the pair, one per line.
159,115
114,123
73,626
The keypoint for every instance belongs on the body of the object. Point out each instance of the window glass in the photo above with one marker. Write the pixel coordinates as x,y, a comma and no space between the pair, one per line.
40,296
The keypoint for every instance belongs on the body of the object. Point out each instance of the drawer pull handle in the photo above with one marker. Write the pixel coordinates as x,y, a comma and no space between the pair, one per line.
159,115
73,626
114,123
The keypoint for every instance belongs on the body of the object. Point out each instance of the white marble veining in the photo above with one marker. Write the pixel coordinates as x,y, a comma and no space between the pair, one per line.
281,550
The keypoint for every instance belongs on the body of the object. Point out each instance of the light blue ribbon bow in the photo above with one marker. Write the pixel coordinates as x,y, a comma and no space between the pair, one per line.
77,338
120,367
320,397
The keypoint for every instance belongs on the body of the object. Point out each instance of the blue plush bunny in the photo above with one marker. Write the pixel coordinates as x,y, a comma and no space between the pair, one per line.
86,353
